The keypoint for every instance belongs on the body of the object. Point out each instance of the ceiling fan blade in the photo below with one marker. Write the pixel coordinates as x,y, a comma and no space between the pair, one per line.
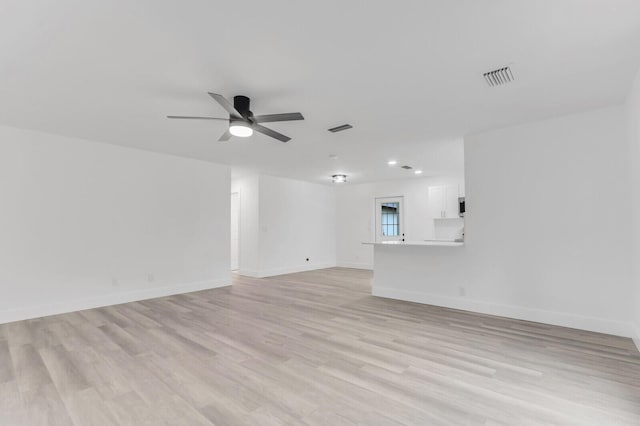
186,117
225,136
272,133
226,104
268,118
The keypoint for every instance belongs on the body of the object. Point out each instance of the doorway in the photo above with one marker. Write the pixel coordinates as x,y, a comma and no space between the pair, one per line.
389,219
235,231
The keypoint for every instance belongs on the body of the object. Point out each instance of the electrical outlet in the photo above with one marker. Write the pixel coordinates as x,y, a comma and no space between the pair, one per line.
462,291
151,278
114,282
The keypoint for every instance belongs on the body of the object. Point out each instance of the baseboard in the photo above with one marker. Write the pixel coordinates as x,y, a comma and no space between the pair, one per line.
37,311
355,265
636,334
249,273
599,325
281,271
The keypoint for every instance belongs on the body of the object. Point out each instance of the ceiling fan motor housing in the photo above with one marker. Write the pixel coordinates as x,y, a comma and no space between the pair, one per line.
241,104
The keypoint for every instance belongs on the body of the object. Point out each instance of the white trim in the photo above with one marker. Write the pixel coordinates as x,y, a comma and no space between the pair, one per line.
599,325
281,271
239,219
355,265
249,273
636,334
37,311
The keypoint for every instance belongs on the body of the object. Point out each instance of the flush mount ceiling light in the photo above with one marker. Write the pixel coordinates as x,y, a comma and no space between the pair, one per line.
240,129
339,178
418,172
392,162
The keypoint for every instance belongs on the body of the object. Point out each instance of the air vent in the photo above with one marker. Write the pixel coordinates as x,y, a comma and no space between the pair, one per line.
498,77
341,128
406,167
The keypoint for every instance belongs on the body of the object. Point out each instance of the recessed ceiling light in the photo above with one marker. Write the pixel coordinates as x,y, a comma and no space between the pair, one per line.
339,178
392,162
418,172
240,129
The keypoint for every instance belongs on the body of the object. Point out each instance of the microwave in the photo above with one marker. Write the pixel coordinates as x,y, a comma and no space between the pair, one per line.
461,207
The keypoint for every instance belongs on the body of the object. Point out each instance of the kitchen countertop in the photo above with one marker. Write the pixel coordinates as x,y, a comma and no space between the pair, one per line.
442,243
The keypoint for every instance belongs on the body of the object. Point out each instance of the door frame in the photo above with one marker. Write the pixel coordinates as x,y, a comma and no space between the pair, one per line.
239,215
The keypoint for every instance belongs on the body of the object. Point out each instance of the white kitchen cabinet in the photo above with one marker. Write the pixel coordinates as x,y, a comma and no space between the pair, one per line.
443,201
436,201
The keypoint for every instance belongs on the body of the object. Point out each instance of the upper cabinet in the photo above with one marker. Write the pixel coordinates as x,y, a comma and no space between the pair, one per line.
443,201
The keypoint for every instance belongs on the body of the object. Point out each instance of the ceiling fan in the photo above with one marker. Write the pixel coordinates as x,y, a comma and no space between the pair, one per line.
241,120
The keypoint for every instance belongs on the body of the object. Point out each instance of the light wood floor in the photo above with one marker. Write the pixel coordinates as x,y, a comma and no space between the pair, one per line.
308,348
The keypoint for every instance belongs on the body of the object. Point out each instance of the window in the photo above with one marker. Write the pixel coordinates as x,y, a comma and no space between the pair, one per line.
390,219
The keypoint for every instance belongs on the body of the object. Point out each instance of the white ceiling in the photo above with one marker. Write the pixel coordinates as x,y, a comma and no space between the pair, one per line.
406,74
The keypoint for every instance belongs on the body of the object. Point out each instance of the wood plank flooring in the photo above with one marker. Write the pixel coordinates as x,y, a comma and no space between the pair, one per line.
311,348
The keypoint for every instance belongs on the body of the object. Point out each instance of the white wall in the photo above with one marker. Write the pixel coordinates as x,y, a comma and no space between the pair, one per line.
549,219
297,221
547,227
633,117
284,222
355,216
85,224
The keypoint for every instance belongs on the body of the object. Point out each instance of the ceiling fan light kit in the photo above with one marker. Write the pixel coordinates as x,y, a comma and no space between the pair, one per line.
242,122
240,129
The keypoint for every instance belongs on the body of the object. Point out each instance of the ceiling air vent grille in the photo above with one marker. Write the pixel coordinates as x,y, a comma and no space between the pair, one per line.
498,77
341,128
